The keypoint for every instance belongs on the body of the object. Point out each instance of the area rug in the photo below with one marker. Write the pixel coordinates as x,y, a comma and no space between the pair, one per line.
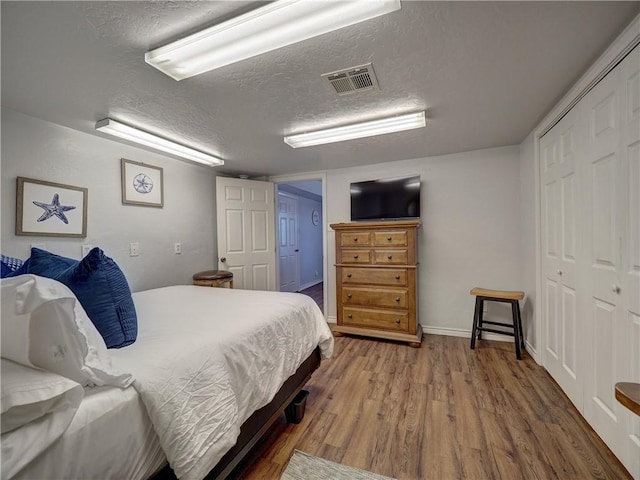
303,466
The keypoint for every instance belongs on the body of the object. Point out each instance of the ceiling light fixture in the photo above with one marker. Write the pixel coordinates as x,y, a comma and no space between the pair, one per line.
132,134
358,130
267,28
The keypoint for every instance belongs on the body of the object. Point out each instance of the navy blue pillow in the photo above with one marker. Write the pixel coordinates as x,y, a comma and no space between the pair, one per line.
6,270
101,288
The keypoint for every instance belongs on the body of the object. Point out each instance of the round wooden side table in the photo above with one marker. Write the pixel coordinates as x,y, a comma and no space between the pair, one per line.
213,278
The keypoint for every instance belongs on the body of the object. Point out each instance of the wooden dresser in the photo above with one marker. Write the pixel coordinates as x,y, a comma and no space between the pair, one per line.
377,276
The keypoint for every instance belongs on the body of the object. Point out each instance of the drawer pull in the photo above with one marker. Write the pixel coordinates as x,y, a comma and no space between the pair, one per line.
389,257
388,239
349,295
348,275
350,316
397,277
355,239
398,321
355,257
397,299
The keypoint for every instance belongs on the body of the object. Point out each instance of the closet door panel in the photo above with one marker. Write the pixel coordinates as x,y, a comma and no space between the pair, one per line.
630,352
561,250
603,108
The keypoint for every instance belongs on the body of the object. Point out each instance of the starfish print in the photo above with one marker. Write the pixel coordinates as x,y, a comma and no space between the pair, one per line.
54,209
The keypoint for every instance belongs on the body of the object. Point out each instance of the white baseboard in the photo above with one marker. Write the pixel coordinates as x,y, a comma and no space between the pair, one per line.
461,332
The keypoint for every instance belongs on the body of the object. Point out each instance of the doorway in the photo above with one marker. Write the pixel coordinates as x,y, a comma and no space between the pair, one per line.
300,238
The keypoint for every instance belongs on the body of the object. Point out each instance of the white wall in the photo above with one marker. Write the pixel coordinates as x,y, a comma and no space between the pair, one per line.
310,243
470,235
528,241
37,149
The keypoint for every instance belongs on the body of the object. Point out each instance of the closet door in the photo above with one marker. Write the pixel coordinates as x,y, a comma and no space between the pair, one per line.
630,275
611,109
561,251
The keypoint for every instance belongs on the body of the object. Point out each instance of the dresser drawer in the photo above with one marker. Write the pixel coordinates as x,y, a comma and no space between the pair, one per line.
375,297
374,276
352,239
391,257
396,238
371,318
355,256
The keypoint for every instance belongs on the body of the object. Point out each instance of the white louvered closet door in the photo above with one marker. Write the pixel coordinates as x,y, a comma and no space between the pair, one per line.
563,329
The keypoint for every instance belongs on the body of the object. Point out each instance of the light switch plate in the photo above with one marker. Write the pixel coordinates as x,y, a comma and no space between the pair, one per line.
134,249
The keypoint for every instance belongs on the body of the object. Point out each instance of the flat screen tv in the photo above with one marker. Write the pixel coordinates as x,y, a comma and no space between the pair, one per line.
386,199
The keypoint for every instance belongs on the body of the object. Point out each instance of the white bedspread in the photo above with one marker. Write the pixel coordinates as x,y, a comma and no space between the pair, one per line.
207,358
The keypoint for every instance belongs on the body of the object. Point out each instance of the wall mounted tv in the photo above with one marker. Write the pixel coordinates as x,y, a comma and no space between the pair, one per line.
386,199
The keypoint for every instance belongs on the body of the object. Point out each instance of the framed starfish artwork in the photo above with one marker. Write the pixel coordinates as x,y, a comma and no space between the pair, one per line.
142,184
47,209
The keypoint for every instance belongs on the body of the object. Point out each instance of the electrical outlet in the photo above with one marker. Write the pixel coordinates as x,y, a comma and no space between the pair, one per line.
177,248
134,249
41,246
86,249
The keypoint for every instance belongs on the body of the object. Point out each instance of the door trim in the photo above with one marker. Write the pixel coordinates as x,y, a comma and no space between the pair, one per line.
322,176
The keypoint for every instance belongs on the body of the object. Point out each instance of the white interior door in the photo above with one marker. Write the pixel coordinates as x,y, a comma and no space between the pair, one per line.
288,251
606,182
631,254
564,323
246,236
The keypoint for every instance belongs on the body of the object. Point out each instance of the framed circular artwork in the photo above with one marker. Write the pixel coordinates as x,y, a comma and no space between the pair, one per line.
315,217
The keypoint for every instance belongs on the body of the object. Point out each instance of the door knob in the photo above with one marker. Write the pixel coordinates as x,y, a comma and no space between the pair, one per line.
388,239
355,257
397,277
559,272
397,299
615,288
398,321
349,295
223,259
355,239
348,275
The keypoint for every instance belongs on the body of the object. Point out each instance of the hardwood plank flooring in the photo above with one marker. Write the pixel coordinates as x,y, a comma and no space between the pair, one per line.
442,411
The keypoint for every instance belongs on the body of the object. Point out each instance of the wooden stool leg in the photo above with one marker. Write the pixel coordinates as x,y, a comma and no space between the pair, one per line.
520,324
516,327
475,322
480,316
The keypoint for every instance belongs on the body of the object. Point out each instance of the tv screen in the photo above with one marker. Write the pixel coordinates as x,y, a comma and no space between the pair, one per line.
386,199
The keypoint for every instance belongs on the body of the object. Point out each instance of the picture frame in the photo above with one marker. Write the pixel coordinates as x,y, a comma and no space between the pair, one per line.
48,209
142,184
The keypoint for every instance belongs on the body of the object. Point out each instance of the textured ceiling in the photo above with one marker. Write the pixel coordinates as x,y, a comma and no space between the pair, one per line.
486,72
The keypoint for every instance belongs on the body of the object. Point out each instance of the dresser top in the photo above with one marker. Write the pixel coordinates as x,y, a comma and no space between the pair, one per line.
412,223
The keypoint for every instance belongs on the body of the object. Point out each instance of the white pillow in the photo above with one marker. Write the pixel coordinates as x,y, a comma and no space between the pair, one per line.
37,408
61,338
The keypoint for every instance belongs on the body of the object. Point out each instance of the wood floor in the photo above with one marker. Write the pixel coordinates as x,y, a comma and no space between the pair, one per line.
442,411
315,292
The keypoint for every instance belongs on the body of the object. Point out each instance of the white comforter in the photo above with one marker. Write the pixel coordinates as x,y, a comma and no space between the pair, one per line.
207,358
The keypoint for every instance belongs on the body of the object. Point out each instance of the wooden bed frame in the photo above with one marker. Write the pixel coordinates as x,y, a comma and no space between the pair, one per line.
257,424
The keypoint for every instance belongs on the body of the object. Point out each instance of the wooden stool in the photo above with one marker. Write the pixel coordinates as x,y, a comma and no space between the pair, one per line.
628,394
482,295
213,278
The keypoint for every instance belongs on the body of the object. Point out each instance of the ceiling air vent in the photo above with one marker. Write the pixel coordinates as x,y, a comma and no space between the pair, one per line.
354,79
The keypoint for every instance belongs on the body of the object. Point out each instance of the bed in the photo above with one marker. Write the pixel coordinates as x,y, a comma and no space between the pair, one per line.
211,369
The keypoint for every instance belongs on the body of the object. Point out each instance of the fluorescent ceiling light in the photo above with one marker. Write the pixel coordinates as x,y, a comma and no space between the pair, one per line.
267,28
138,136
358,130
